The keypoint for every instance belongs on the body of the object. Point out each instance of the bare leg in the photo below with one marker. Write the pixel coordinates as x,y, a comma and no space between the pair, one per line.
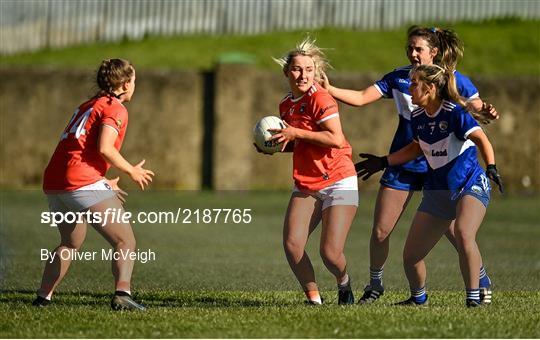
450,235
71,238
336,224
388,209
302,217
120,236
426,230
470,213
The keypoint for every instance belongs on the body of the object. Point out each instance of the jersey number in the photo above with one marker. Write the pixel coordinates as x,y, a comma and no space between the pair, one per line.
76,123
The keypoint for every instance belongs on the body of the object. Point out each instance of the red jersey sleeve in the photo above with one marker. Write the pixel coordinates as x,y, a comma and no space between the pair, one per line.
324,107
115,116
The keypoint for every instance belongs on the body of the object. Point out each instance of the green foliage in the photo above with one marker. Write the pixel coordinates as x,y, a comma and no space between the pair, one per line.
497,47
232,280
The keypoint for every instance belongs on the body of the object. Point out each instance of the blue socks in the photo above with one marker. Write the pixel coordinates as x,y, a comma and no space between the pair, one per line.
473,294
419,295
375,277
485,282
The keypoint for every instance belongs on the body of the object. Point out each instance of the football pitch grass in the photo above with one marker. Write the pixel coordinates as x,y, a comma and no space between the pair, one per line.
232,280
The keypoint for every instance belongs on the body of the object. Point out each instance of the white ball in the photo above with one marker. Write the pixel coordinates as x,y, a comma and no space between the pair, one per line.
262,136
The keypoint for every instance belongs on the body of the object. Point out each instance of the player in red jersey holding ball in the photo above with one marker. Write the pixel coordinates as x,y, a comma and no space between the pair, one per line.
326,186
74,180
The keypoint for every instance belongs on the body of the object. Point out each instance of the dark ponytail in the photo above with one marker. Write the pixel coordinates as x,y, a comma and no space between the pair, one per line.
450,47
112,74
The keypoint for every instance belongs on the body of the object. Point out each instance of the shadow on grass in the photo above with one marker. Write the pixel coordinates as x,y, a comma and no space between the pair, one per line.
207,299
26,296
179,299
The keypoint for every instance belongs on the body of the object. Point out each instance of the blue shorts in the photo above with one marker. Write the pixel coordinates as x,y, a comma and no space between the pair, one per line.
441,204
399,179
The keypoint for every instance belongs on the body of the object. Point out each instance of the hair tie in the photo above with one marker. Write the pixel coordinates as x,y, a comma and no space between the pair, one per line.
433,29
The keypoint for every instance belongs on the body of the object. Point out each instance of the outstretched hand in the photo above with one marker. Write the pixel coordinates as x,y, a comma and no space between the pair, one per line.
325,83
141,176
370,165
493,174
486,114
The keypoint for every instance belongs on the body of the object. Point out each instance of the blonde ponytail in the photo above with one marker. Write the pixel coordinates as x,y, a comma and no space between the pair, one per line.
443,79
308,48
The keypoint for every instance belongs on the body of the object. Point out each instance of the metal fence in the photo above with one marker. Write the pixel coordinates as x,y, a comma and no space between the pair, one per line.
34,24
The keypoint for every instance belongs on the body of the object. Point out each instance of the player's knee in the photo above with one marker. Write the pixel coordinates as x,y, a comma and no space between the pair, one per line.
379,234
293,247
410,259
464,237
126,243
330,254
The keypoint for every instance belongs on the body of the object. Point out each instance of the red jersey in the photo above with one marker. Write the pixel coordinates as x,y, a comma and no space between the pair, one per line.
76,162
315,167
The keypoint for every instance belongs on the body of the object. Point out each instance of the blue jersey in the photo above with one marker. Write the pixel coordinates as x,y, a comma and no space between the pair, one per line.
451,157
396,85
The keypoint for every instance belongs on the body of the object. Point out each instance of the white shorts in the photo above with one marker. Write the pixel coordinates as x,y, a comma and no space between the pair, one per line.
82,198
343,192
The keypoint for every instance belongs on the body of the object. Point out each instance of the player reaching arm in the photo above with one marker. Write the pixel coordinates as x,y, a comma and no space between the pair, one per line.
425,46
456,188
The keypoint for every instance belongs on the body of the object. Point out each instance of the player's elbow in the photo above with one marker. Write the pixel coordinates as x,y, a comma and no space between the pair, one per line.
104,151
